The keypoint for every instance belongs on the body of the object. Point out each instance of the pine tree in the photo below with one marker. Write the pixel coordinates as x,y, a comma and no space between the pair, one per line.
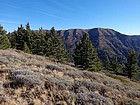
54,46
107,63
115,66
131,66
2,31
4,42
17,38
28,36
26,48
86,56
21,36
38,42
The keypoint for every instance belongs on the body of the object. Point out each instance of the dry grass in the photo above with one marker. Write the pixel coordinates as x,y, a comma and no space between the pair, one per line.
35,80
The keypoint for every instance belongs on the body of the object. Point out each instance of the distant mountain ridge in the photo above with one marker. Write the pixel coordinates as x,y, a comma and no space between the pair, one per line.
106,41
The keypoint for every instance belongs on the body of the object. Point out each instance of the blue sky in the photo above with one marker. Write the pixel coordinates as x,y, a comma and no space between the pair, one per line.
121,15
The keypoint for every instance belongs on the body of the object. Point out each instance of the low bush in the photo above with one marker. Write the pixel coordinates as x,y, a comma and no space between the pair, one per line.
87,84
54,67
61,83
26,77
117,77
74,73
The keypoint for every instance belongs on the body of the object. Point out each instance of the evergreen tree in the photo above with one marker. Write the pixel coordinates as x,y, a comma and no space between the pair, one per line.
54,46
17,38
26,48
13,39
86,56
21,36
28,36
2,31
107,63
115,66
4,42
131,66
38,42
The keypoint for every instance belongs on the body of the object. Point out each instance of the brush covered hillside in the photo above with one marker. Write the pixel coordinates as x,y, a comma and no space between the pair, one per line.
27,79
106,41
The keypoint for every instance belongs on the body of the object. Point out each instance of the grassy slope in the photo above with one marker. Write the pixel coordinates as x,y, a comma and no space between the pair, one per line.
30,79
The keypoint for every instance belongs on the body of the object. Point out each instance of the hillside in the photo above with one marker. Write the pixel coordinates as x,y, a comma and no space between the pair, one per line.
35,80
106,41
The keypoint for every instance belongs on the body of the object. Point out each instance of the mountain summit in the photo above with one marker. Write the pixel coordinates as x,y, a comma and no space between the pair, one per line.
106,41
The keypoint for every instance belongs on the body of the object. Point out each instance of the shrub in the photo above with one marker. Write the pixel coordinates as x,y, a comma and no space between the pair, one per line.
61,83
133,94
28,80
25,77
86,83
74,73
46,71
117,77
92,99
4,60
8,70
54,67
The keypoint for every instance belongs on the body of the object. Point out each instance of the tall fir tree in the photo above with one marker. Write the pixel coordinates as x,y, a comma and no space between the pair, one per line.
55,46
131,66
4,42
2,31
115,66
17,38
28,35
107,63
26,48
86,56
38,42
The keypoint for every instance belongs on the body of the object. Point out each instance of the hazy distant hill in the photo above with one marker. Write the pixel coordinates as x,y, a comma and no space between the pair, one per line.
106,41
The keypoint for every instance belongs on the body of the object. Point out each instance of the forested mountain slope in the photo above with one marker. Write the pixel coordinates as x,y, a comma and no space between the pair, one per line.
106,41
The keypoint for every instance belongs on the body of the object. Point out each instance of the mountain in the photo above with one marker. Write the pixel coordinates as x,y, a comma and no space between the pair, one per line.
27,79
106,41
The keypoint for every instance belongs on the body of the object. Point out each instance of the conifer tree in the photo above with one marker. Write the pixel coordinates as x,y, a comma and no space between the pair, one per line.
107,63
2,31
26,48
38,42
86,56
115,66
28,36
131,66
17,38
4,42
54,46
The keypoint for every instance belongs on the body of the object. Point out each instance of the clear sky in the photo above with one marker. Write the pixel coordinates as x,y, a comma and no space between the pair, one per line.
121,15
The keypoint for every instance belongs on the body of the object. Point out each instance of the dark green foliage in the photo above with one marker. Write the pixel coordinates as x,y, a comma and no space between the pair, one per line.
21,36
107,63
38,41
17,38
112,65
4,42
131,66
115,66
54,46
2,31
26,48
86,56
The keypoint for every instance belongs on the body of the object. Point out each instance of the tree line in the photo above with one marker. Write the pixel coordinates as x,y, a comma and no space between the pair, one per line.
49,44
